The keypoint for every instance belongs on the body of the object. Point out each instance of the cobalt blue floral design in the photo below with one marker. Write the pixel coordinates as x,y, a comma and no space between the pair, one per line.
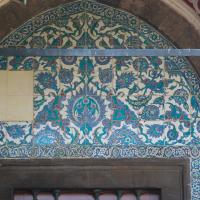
47,136
66,75
45,83
105,75
155,130
150,112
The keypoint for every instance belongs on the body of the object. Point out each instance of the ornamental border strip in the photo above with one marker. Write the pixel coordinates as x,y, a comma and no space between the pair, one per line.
99,151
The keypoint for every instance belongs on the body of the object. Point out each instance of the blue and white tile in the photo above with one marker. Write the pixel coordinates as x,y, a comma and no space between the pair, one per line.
3,133
152,132
152,108
176,84
125,134
122,111
178,132
176,63
47,133
71,78
195,131
177,108
95,30
28,63
86,114
72,31
19,133
125,76
192,80
69,132
47,108
195,178
3,63
151,77
100,75
48,63
195,107
48,36
46,83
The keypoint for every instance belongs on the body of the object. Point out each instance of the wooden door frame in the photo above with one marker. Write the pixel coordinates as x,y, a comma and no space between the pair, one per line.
172,176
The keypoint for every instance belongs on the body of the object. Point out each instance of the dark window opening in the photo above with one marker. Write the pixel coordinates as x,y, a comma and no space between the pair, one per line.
97,194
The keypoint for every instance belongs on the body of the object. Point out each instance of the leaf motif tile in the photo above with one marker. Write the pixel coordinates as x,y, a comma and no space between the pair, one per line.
177,107
176,84
178,132
72,77
152,132
18,133
100,75
45,83
47,133
16,63
47,108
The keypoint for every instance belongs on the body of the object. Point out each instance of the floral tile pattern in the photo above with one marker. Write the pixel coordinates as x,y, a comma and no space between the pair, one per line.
18,133
3,133
3,63
152,132
90,98
47,133
45,83
119,107
178,132
177,107
16,63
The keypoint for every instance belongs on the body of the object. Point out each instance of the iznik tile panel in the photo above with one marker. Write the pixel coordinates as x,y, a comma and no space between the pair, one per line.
101,107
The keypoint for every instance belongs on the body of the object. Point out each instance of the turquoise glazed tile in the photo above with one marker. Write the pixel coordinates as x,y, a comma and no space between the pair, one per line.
72,75
177,108
87,114
46,63
195,176
3,133
195,131
16,63
152,109
99,31
3,63
69,132
100,76
125,133
73,31
195,107
45,83
122,111
192,80
177,132
151,76
47,108
175,63
125,76
176,84
152,132
47,133
18,133
48,36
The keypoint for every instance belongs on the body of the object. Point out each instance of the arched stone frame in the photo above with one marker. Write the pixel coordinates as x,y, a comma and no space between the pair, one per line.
106,152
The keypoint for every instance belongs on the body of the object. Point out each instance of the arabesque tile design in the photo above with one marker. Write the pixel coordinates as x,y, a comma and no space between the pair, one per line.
103,107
